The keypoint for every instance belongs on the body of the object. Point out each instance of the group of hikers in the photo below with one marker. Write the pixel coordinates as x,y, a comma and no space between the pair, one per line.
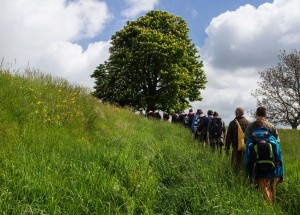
255,145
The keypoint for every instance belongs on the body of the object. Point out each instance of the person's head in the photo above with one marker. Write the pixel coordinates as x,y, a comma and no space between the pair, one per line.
191,110
239,111
215,113
199,112
261,112
210,112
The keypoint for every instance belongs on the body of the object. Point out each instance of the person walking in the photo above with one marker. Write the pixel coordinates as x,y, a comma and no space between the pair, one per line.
190,118
263,161
237,156
157,115
216,132
166,116
261,115
174,118
196,122
202,128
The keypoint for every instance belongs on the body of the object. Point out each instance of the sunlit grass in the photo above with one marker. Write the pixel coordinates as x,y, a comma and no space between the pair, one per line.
64,152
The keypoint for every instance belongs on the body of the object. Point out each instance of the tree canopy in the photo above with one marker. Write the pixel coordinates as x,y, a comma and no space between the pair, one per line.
279,90
152,65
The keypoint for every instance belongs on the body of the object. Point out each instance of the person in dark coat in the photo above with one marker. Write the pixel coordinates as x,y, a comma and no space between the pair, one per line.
175,118
157,115
237,157
216,141
166,116
202,127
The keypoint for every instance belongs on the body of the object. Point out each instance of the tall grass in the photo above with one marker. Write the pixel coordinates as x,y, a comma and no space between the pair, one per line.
64,152
289,194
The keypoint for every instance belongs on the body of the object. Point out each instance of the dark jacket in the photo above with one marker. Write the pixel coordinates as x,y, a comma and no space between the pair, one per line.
203,126
232,132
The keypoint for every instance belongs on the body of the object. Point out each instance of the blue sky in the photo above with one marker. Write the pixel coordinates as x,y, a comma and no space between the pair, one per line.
235,39
197,13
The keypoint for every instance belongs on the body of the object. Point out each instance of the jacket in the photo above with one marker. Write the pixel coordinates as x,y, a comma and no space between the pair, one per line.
232,132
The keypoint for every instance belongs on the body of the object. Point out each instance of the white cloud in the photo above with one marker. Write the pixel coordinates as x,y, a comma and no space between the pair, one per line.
43,35
225,91
137,6
253,36
239,44
76,64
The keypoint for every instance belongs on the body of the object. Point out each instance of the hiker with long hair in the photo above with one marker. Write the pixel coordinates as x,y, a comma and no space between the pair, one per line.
263,161
261,114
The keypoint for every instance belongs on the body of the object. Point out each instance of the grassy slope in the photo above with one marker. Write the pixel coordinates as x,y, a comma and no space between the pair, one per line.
63,152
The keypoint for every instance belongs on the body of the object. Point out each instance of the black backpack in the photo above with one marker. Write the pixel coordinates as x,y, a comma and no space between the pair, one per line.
216,127
190,119
263,155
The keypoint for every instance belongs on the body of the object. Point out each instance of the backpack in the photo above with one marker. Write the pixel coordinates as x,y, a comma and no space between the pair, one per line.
216,127
198,121
262,152
190,118
241,137
200,124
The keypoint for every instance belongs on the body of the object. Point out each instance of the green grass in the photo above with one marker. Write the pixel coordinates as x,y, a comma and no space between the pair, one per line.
64,152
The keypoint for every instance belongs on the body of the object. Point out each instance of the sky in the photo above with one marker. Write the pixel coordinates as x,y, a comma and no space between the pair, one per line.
236,39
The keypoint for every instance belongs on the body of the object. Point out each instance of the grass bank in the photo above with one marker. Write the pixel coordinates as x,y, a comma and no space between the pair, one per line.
64,152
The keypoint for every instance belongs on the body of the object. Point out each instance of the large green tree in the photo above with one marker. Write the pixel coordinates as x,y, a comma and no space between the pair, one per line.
152,65
279,90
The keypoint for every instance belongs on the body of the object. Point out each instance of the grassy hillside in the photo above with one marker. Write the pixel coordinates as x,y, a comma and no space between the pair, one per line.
64,152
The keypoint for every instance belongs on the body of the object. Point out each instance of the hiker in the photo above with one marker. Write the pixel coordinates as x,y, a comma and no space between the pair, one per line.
202,127
199,111
190,118
198,118
262,160
261,114
181,118
150,115
166,116
174,117
216,132
157,115
232,138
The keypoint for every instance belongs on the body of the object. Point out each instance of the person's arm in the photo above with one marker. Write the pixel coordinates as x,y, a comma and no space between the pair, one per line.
247,157
229,137
207,132
224,128
275,134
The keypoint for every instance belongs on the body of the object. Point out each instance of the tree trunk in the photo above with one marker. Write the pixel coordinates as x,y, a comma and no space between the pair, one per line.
294,126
